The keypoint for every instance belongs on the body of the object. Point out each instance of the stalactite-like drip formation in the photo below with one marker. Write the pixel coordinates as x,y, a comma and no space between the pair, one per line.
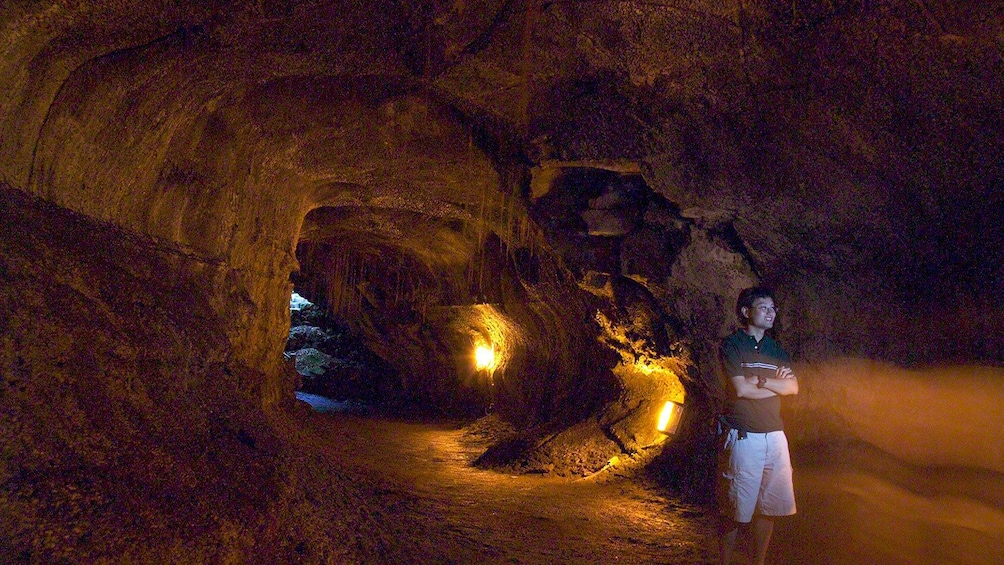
503,213
347,277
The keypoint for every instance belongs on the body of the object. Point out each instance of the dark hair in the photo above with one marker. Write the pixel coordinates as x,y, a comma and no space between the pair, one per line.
750,295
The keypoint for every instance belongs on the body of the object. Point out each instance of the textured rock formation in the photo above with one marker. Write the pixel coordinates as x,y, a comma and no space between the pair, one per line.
583,185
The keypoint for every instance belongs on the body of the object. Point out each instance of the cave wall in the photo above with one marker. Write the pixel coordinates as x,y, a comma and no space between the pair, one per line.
820,134
844,152
120,398
457,286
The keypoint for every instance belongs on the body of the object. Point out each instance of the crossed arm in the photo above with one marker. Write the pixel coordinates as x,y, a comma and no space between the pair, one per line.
782,383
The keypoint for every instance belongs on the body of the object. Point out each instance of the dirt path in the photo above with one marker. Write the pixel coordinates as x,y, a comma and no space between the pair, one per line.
861,506
489,517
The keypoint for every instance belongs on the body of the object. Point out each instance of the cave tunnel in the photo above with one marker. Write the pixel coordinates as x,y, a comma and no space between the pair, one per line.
580,188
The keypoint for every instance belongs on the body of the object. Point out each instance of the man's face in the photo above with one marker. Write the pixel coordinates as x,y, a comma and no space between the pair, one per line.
761,314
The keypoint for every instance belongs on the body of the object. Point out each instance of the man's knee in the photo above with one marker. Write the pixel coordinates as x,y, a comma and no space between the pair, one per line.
728,524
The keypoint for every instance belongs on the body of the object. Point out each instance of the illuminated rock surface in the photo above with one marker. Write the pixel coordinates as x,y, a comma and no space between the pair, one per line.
583,186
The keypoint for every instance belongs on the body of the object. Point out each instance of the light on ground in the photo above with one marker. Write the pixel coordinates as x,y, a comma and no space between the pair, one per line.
669,418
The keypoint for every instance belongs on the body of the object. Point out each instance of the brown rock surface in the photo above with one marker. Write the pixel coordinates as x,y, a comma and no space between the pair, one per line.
583,185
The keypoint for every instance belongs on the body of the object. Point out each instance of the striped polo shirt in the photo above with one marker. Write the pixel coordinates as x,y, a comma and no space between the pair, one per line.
743,356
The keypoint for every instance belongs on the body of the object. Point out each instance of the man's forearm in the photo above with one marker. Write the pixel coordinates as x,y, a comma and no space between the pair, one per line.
746,387
781,387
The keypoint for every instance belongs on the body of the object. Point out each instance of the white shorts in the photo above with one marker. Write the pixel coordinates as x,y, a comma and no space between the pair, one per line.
756,476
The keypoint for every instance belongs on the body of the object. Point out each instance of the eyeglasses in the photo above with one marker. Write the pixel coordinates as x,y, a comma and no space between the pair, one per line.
765,309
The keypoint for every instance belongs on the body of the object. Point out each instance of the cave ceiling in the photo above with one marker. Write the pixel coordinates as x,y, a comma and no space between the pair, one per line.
831,137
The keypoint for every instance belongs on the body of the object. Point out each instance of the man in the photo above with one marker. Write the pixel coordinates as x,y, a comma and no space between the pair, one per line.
755,469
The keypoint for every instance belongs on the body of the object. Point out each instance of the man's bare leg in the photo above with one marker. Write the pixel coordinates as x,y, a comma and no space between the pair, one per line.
763,527
727,539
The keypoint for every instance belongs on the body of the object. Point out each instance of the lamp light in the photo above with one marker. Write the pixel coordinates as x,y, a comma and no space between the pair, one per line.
484,357
669,418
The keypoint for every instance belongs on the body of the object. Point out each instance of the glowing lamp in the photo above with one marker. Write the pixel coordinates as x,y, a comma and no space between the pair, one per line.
669,418
484,357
